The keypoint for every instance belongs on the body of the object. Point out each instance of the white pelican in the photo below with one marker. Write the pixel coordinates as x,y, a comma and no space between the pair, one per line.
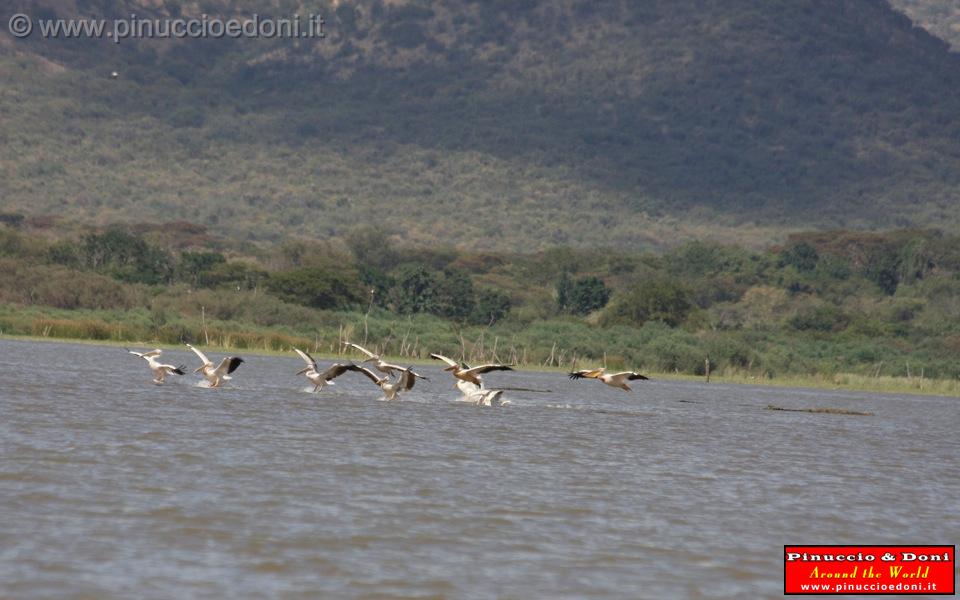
465,373
381,365
617,380
391,389
219,373
160,370
321,378
474,394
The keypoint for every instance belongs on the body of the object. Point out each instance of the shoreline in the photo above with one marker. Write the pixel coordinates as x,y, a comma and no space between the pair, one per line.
849,382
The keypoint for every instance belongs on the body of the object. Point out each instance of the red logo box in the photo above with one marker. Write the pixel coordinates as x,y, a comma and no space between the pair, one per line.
856,570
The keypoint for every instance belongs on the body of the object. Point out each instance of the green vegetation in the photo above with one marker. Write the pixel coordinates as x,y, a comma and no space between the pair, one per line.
841,306
498,126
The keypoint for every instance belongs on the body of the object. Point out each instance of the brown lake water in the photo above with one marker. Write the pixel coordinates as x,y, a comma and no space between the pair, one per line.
112,487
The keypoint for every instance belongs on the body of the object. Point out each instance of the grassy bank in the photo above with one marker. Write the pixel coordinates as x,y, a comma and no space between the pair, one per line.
272,345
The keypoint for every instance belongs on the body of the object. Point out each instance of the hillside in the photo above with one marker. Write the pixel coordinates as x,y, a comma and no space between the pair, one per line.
494,125
939,17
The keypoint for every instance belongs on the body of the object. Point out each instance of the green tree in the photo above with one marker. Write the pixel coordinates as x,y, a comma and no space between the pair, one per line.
414,290
657,300
193,265
491,306
803,257
127,257
564,287
319,287
454,295
587,295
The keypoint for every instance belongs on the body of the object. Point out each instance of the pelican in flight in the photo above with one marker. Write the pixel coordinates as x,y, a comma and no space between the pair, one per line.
475,394
465,373
381,365
321,378
160,370
221,372
617,380
391,389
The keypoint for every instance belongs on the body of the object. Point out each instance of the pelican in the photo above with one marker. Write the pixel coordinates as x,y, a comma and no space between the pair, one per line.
474,394
160,370
221,372
617,380
381,365
321,378
465,373
391,389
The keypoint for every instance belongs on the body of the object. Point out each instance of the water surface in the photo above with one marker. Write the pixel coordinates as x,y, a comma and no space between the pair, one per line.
113,487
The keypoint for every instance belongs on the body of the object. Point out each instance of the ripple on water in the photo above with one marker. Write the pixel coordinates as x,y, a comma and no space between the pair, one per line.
117,488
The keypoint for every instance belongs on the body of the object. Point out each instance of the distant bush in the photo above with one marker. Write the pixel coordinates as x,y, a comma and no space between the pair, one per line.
661,299
318,287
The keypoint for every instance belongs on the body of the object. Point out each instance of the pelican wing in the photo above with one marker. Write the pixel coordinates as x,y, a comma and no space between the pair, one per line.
385,366
339,369
629,375
307,358
362,349
586,373
487,368
407,379
172,369
228,365
373,376
145,355
203,357
449,361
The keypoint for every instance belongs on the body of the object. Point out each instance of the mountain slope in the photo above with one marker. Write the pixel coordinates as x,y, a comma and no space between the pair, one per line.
496,124
939,17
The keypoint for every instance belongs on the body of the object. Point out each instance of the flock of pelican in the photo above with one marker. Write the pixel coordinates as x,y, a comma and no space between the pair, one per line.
394,379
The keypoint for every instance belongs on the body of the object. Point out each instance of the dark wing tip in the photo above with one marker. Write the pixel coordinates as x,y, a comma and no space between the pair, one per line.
576,375
180,370
234,363
638,376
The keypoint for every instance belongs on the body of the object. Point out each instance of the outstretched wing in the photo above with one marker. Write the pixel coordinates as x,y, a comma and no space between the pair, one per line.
487,368
586,374
339,369
370,374
407,379
203,357
307,358
156,352
361,349
172,369
228,365
449,361
632,376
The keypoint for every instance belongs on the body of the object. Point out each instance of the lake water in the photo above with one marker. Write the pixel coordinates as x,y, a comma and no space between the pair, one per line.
112,487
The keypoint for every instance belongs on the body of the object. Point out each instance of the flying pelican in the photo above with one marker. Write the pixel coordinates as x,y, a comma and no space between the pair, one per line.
465,373
391,389
617,380
160,370
479,396
381,365
321,378
219,373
